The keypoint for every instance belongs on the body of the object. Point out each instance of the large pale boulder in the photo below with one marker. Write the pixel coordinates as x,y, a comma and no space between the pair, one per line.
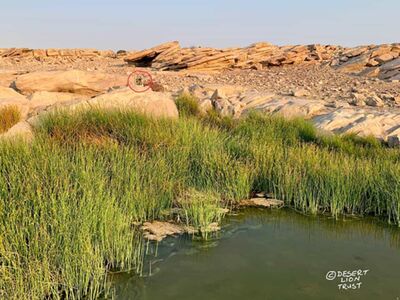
150,103
45,99
7,77
10,94
71,81
9,97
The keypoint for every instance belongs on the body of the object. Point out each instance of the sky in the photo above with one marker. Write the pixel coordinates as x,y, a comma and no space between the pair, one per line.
129,25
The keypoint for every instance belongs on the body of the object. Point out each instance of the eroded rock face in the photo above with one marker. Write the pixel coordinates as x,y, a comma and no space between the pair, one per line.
71,81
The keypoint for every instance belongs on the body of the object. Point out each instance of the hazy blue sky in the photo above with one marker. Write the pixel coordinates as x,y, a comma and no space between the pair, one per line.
122,24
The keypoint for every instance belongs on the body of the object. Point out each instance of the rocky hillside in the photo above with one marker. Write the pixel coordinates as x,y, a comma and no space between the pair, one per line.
380,61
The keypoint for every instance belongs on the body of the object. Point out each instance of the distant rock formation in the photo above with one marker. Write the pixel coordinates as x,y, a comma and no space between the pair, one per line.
44,53
382,61
170,56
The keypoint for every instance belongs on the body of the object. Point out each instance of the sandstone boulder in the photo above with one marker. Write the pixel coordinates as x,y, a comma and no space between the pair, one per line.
71,81
44,98
21,130
374,100
9,97
300,93
8,77
150,103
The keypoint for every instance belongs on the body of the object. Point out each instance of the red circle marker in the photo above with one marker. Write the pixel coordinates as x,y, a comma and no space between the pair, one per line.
140,74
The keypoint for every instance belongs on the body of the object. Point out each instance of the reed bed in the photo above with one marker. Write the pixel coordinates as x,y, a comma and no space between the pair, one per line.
69,199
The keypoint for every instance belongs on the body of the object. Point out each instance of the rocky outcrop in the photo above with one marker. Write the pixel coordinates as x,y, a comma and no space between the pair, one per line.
170,56
59,53
71,81
382,123
382,61
375,61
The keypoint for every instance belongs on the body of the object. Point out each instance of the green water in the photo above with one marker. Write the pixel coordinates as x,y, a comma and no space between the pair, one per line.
272,255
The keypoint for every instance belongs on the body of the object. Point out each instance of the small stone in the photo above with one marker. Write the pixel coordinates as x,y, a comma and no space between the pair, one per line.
156,87
375,101
387,97
357,99
300,93
332,104
257,67
372,63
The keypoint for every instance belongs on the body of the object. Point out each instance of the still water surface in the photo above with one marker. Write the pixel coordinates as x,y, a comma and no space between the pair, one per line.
272,255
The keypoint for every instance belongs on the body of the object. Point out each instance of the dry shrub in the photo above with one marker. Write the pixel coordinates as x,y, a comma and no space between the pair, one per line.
9,116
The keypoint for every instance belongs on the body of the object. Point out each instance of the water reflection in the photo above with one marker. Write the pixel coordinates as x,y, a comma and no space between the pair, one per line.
270,255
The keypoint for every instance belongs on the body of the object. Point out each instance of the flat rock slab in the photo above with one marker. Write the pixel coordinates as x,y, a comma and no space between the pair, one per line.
157,230
261,202
71,81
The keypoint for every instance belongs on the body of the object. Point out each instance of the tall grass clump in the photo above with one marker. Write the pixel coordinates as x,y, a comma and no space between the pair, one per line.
187,105
69,199
202,210
9,116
